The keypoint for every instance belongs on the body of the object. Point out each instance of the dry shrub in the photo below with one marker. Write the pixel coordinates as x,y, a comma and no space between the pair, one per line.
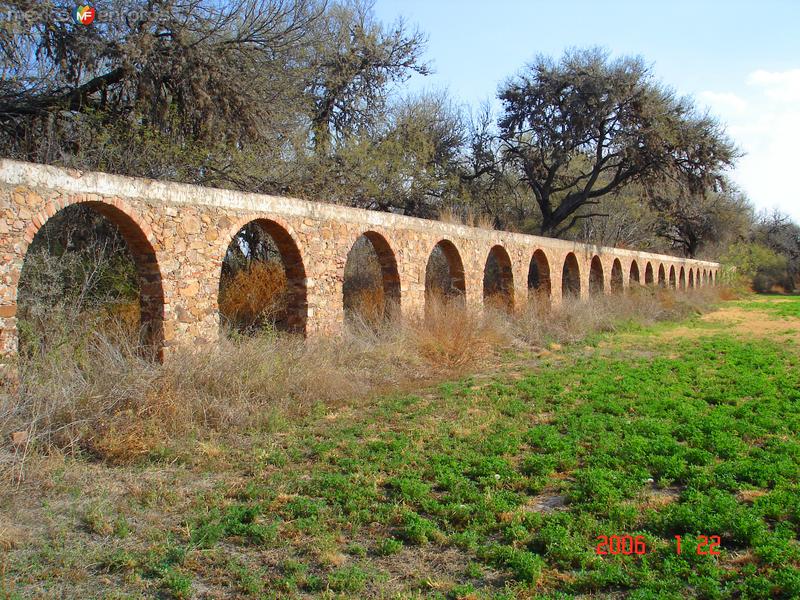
727,293
367,304
101,395
499,301
451,216
572,319
467,217
255,295
452,337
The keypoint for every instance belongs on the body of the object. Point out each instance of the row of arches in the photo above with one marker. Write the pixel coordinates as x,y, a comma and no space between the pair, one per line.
371,275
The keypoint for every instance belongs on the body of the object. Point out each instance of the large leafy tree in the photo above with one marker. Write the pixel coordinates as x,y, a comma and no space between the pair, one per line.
586,125
240,94
165,88
690,220
355,60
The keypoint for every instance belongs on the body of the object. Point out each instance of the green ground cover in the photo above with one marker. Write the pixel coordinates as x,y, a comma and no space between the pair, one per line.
783,306
494,487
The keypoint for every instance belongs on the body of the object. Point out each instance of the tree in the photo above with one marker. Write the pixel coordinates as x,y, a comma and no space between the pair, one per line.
585,126
407,164
356,58
488,185
780,234
161,88
690,220
628,222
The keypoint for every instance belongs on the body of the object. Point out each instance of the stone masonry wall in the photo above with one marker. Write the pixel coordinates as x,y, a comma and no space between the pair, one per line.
179,235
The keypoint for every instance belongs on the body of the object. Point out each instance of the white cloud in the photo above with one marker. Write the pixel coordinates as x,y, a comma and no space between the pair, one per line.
782,86
725,102
763,118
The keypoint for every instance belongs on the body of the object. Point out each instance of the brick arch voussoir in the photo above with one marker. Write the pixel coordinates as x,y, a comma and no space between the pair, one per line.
52,207
227,235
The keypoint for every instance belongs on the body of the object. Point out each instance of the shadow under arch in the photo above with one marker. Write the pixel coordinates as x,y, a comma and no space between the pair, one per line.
376,296
498,280
682,279
648,274
249,245
570,277
662,276
539,285
143,254
616,276
444,275
672,282
596,277
633,274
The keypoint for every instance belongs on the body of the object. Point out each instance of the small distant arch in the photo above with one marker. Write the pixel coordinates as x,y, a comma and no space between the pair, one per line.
570,277
691,278
633,274
672,277
539,286
616,276
444,275
682,279
662,276
648,274
596,276
498,280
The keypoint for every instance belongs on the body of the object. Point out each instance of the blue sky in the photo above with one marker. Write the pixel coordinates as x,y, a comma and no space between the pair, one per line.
740,59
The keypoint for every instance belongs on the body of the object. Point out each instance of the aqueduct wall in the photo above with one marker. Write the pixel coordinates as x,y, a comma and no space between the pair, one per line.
179,235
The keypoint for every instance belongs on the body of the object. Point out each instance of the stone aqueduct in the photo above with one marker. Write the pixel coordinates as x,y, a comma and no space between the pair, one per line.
178,235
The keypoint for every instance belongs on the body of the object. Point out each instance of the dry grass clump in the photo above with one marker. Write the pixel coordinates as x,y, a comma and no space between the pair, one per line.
99,393
572,319
466,217
366,304
254,295
452,337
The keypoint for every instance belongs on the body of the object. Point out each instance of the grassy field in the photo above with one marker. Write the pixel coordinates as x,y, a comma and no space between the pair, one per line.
492,486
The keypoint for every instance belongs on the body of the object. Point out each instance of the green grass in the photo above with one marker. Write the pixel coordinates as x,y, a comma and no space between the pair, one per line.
782,306
656,437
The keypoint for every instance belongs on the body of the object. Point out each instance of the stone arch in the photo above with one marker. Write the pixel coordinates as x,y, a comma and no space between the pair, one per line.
672,282
633,274
140,242
691,278
648,274
662,276
571,277
682,278
616,276
383,289
596,278
498,279
444,275
539,285
294,316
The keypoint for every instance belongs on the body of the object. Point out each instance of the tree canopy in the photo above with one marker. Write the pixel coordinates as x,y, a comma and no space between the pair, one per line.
584,126
305,98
